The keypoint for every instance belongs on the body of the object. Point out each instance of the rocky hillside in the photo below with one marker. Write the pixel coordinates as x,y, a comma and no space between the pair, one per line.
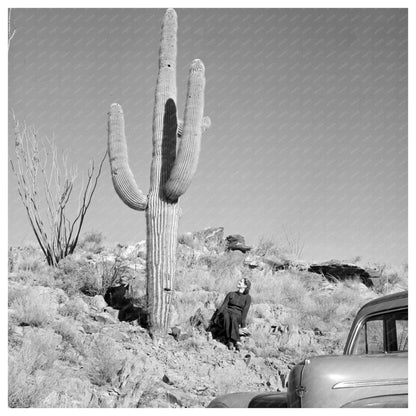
68,348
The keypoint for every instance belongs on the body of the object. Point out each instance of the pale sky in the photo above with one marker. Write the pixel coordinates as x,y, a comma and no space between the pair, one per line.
308,109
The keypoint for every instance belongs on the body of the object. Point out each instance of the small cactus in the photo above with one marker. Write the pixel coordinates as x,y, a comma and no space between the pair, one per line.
171,170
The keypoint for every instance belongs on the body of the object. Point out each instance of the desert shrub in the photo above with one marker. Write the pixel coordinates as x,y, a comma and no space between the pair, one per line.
225,262
108,273
392,279
25,391
74,308
92,241
67,330
15,292
23,276
31,310
77,275
39,350
198,277
30,264
309,307
186,304
186,257
266,247
335,310
28,378
286,288
28,258
261,341
105,360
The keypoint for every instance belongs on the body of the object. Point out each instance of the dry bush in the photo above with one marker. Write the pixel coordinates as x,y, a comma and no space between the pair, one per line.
74,308
198,277
28,258
29,380
266,247
335,311
92,242
223,263
105,359
262,343
74,276
30,264
15,292
286,288
39,350
26,391
186,257
66,328
32,310
392,279
186,304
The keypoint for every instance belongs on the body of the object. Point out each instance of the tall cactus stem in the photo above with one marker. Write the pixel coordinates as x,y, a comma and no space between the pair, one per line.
171,170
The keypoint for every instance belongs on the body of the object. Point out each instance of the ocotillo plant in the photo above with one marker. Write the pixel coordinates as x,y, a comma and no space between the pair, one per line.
171,169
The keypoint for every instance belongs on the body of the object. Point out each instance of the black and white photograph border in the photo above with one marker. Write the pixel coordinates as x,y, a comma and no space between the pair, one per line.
293,118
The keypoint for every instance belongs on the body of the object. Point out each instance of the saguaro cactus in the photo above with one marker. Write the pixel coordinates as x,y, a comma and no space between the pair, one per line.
171,170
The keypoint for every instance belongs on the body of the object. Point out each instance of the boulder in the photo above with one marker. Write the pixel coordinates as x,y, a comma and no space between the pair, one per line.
98,302
129,309
116,296
210,239
290,336
336,271
267,264
105,318
236,242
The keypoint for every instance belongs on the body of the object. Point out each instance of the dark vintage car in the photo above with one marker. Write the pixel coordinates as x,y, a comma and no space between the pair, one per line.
372,372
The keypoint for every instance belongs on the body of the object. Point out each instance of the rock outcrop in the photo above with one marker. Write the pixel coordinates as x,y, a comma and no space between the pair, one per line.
337,271
236,242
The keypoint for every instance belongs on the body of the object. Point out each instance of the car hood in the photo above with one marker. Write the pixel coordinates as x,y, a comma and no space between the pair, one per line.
333,381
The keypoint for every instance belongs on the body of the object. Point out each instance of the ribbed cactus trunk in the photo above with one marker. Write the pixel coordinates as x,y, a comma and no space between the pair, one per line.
171,170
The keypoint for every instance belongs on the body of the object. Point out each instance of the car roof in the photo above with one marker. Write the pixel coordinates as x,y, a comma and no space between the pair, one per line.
393,301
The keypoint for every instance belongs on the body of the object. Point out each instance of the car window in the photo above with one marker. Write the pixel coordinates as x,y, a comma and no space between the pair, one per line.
387,332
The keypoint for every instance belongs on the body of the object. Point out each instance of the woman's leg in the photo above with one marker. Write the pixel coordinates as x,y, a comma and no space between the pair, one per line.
227,324
235,324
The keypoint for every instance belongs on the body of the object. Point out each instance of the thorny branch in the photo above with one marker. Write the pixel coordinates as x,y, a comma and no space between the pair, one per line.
45,186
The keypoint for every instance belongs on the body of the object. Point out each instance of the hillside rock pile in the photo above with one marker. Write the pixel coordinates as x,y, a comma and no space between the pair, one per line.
176,372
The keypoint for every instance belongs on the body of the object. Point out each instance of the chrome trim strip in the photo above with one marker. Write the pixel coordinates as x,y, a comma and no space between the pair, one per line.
371,383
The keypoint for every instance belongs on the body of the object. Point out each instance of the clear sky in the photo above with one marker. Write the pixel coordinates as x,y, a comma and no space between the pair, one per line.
308,109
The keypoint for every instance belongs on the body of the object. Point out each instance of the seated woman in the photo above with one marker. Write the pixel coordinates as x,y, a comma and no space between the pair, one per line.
233,312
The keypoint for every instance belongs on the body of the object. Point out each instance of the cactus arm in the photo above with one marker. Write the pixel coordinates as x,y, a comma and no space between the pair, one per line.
189,147
123,179
165,91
